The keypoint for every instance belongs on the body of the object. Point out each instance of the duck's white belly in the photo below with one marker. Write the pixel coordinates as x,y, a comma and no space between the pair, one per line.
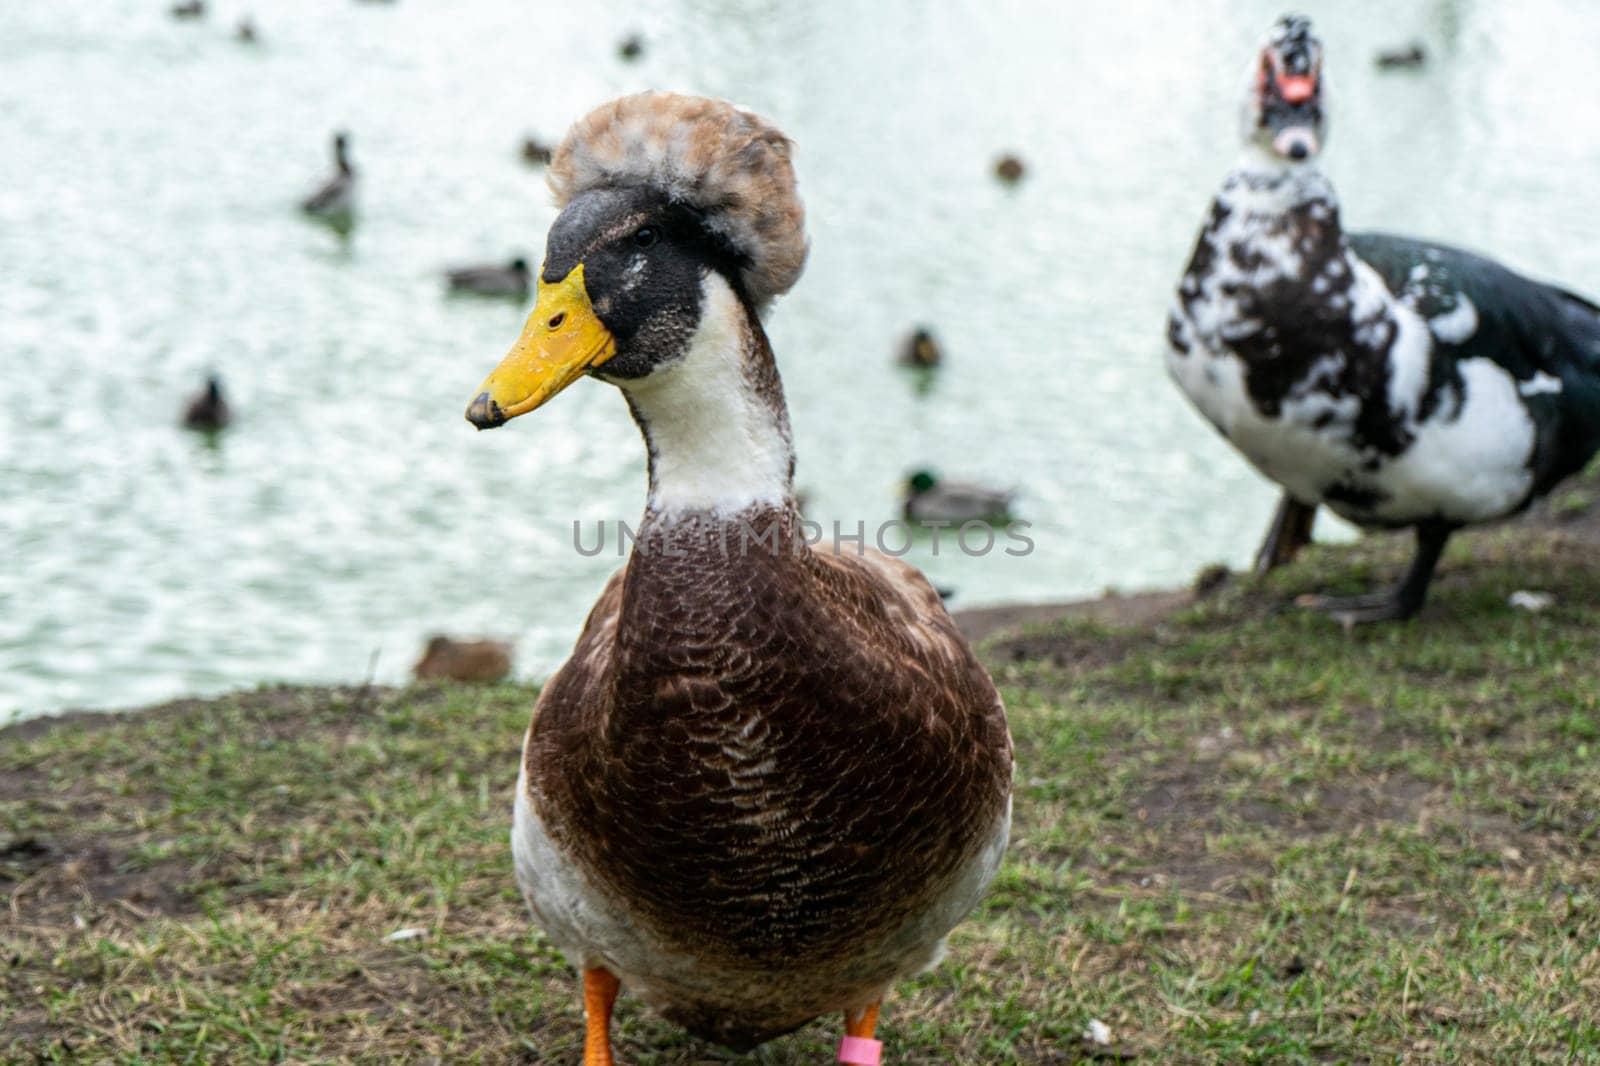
592,929
1467,464
1289,449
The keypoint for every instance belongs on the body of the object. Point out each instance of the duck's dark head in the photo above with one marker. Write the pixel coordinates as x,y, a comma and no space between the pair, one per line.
1284,105
680,221
341,150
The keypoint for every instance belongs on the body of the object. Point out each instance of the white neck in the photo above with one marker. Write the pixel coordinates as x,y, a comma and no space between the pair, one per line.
716,444
1263,181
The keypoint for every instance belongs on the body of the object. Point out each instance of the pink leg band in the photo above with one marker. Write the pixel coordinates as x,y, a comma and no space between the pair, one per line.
859,1051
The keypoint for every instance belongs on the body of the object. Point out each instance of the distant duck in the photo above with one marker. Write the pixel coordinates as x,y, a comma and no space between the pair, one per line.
208,410
1009,169
1407,58
509,280
930,498
189,9
246,33
445,659
631,47
1403,383
921,350
337,196
536,152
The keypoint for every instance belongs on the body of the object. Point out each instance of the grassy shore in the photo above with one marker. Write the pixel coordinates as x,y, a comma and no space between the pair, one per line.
1242,834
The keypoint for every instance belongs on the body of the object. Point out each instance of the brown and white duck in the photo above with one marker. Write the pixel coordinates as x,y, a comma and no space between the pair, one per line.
772,777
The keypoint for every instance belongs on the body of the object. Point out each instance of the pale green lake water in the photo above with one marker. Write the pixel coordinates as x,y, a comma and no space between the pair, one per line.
149,171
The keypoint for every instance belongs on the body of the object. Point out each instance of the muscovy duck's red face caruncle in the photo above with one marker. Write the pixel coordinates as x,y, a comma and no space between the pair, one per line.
1283,112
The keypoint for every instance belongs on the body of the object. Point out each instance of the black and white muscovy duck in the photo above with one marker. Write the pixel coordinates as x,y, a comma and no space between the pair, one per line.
1400,382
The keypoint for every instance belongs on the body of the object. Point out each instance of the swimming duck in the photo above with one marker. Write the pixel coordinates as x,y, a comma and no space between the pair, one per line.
535,152
921,350
631,47
337,196
189,9
463,660
1009,169
1407,58
1400,382
508,280
772,776
930,498
207,410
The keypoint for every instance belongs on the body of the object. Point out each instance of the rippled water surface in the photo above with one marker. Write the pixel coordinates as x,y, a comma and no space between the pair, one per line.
149,171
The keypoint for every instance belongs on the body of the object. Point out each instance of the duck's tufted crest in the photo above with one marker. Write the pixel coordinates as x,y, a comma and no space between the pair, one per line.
728,164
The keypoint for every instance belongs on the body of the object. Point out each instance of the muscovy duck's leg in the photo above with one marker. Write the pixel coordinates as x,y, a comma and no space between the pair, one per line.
1399,603
1290,531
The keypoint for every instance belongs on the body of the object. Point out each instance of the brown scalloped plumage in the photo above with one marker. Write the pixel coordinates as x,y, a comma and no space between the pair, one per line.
729,164
771,761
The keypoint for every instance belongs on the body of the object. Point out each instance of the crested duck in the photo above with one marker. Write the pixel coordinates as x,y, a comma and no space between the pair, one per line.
1009,169
508,280
336,197
207,410
921,350
463,660
772,777
1400,382
930,498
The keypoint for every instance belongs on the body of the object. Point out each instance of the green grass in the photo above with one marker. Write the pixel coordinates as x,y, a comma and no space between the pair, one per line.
1242,835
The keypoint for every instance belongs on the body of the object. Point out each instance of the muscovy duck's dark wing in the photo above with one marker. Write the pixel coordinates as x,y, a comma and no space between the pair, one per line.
1526,326
1535,331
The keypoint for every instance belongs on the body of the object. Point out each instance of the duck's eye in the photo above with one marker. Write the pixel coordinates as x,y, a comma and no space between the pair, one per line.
645,236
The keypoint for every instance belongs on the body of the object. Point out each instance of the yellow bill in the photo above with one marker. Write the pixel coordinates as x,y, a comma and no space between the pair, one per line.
563,340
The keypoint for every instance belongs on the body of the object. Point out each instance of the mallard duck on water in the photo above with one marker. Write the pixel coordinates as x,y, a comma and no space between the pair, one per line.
772,777
921,350
336,197
510,279
207,411
1400,382
1410,57
930,498
536,152
1009,168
